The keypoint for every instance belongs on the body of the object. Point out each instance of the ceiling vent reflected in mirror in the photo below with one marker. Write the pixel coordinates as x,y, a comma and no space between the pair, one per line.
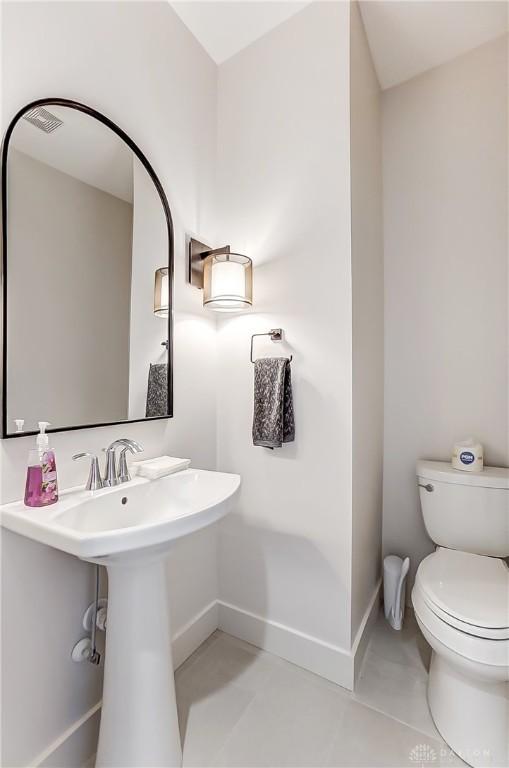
43,119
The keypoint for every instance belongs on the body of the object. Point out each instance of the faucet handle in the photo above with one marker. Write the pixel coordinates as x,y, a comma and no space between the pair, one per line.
95,481
123,471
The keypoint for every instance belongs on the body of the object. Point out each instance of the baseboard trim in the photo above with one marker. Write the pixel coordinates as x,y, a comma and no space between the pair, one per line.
363,635
322,658
75,745
194,633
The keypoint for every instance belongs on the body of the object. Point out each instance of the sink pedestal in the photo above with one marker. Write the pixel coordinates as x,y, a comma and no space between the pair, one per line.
139,724
130,528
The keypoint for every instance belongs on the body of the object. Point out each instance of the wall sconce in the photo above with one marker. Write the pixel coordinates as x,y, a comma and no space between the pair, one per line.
226,278
162,293
162,296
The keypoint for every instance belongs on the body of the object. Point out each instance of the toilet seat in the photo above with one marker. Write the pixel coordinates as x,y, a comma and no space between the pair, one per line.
468,592
488,659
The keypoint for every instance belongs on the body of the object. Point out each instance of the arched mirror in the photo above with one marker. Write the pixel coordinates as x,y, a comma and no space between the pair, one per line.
87,259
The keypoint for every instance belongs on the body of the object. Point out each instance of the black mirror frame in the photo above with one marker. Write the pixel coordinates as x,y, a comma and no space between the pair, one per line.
3,276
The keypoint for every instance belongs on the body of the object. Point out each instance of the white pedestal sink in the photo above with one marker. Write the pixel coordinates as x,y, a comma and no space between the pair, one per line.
130,529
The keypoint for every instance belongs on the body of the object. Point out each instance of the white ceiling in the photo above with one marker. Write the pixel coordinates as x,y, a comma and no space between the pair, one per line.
408,38
225,28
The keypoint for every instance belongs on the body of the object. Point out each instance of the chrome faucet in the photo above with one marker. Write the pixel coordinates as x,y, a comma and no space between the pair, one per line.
111,477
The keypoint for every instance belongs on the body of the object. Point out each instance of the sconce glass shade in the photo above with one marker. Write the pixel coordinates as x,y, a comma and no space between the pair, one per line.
228,282
161,293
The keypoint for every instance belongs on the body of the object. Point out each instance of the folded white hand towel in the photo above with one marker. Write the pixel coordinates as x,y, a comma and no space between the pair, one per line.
159,467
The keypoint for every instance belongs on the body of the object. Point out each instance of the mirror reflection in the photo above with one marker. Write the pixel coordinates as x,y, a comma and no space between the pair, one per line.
87,267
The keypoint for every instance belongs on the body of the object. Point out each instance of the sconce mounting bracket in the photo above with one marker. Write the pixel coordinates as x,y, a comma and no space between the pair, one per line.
197,254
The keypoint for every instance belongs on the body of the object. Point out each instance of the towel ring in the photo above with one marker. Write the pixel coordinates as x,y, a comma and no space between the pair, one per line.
276,334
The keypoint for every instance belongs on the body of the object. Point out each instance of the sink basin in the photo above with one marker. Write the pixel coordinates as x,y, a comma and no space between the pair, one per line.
130,529
135,515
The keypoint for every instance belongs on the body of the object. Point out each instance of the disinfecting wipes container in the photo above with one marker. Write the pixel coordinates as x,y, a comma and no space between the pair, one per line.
468,455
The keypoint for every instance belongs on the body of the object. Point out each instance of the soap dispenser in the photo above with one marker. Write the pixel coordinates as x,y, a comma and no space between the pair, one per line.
41,484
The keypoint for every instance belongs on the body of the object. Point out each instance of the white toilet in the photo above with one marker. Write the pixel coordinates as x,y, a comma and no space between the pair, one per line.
461,602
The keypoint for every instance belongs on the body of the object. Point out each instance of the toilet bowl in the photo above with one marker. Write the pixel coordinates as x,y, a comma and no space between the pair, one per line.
461,602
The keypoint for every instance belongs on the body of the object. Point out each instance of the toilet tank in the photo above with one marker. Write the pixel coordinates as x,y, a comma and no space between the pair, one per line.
465,510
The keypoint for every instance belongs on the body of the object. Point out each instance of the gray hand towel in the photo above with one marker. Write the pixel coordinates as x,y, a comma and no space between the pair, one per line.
273,419
157,390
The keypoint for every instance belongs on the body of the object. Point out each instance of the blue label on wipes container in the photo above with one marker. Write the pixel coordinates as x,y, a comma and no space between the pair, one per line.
466,457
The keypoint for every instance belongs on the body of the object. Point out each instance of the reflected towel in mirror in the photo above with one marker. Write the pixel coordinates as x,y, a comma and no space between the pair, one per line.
157,390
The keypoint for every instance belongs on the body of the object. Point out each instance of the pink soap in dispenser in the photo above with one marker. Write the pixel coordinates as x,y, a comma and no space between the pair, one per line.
41,487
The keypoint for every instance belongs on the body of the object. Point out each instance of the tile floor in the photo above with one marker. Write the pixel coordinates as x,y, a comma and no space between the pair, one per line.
240,706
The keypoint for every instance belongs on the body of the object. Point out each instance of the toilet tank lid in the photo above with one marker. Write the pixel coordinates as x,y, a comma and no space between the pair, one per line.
489,477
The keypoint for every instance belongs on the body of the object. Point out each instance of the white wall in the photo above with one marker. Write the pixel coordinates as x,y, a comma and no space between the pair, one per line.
138,64
283,161
368,319
446,249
